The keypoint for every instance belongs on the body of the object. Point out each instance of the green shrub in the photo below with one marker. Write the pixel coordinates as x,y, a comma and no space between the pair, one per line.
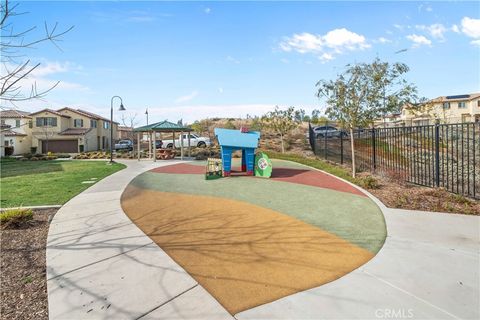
15,217
368,182
63,155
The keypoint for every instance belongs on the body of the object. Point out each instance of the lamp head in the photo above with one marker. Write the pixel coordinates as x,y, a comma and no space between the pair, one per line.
122,108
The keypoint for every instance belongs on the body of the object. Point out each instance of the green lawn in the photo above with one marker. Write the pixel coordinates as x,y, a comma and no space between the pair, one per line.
30,183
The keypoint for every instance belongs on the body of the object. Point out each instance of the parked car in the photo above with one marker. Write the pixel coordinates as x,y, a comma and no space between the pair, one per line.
195,141
124,145
329,132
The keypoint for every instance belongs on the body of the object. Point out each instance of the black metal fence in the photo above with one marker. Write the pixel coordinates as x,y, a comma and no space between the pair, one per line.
440,155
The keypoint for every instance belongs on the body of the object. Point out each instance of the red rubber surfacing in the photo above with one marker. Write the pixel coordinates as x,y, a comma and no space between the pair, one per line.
301,176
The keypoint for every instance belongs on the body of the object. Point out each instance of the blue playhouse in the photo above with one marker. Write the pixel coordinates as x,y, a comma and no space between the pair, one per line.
232,140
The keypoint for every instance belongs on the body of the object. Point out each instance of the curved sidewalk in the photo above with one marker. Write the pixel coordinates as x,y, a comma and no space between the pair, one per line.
100,265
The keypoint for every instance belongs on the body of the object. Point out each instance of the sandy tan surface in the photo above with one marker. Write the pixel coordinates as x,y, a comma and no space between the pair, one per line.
243,254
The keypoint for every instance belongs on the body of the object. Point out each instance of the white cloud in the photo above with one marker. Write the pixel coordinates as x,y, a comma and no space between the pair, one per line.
207,10
232,60
46,76
455,28
419,40
435,30
475,42
383,40
326,57
471,27
187,97
336,41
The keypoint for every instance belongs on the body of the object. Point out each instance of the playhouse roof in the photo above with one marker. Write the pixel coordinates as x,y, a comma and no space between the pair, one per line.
163,126
235,138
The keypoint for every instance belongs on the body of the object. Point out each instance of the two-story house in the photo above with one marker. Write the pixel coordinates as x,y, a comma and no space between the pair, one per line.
446,109
70,130
15,131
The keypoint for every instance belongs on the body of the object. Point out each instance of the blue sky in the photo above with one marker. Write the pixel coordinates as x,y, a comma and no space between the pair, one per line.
191,60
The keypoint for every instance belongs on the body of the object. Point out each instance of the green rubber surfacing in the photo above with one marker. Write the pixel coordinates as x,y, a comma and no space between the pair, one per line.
354,218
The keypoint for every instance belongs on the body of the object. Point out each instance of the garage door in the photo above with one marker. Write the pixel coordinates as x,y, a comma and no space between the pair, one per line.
69,146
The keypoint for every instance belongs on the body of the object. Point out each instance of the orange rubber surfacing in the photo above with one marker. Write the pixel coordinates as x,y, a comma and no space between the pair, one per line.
242,254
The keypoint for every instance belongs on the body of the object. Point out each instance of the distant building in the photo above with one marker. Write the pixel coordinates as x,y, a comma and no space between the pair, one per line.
446,109
124,133
16,128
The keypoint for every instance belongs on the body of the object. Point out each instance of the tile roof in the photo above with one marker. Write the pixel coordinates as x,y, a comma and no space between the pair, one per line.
11,133
75,131
51,111
12,113
80,112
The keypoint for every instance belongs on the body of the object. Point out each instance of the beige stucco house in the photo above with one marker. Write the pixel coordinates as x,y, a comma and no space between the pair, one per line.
70,130
15,131
445,109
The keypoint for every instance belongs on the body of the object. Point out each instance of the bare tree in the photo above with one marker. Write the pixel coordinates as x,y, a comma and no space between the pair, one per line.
281,122
15,66
130,121
44,134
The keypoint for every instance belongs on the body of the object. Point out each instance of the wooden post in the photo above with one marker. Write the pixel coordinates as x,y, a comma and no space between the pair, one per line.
181,145
173,140
189,146
149,144
138,146
154,147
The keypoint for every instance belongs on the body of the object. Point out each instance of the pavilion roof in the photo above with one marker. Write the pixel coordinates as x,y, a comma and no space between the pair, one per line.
163,126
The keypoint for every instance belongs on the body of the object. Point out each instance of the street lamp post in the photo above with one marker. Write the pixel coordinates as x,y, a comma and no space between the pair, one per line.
121,108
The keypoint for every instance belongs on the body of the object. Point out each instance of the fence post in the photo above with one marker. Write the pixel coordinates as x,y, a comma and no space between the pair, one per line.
325,141
341,147
437,153
374,151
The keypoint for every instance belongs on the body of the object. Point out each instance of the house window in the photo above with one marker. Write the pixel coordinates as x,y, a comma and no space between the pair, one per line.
446,105
93,123
2,122
17,123
78,123
462,105
478,103
106,125
46,122
465,118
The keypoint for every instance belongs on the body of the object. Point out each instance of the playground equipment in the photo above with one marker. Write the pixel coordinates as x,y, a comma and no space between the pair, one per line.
263,165
214,169
232,140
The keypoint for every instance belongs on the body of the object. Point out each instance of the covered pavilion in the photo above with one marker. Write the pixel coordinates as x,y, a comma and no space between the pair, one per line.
162,127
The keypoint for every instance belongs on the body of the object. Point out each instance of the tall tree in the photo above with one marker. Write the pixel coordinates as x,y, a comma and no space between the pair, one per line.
281,122
15,66
364,92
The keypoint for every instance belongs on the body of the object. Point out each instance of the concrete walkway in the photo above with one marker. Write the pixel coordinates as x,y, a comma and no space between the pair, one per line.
100,265
428,268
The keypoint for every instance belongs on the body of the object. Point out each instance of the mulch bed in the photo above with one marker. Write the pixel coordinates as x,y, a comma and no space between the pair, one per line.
23,271
407,196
